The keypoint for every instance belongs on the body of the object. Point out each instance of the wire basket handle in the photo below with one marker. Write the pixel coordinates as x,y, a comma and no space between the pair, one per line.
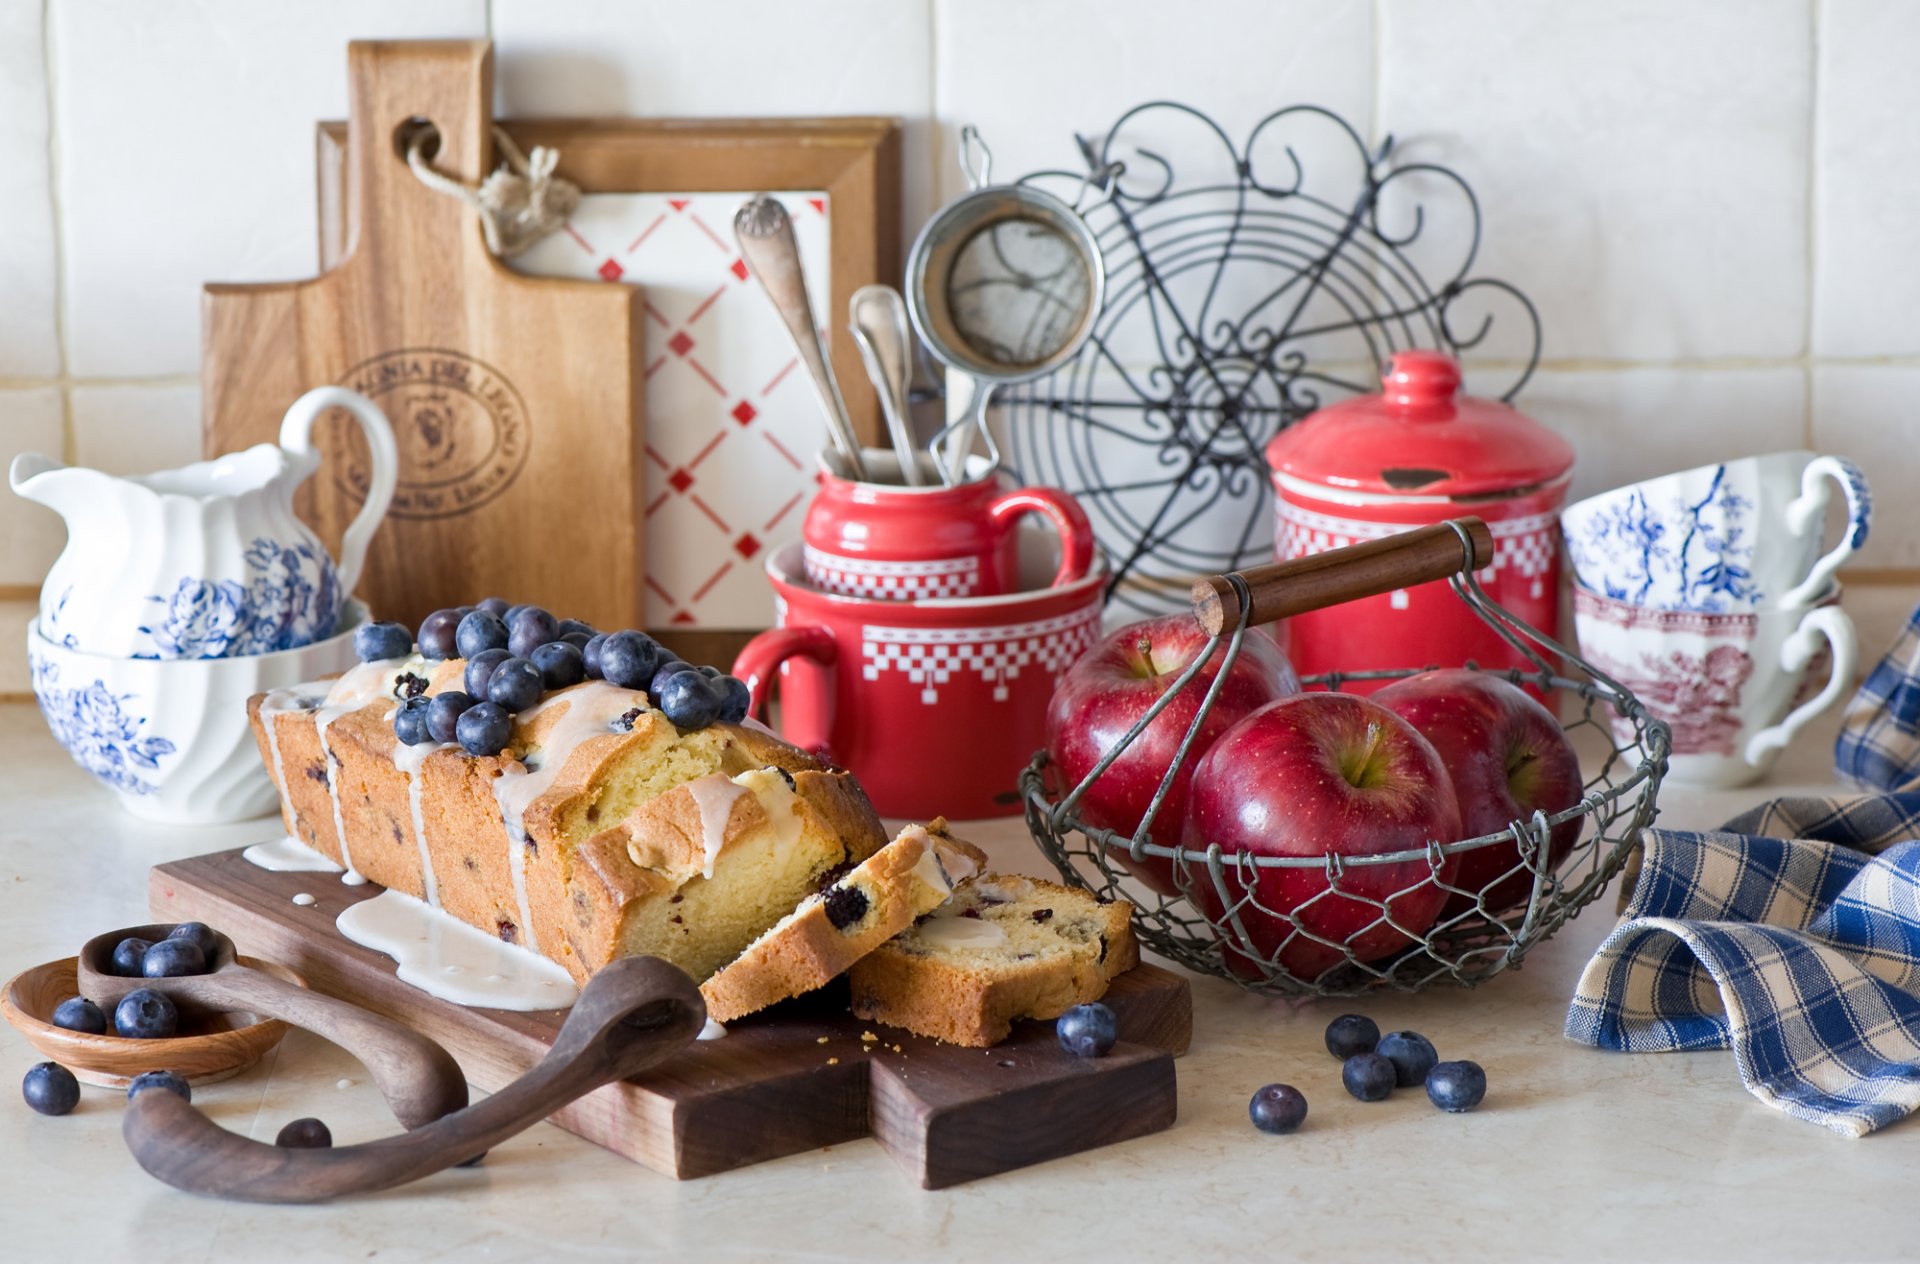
1457,546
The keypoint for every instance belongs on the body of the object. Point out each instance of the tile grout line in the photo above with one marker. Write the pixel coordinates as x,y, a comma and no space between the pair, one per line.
69,439
1816,12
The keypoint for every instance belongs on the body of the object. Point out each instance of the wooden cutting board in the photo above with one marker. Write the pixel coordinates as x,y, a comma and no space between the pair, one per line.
793,1078
516,401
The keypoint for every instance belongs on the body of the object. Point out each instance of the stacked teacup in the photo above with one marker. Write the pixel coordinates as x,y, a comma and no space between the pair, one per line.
1707,593
920,635
181,594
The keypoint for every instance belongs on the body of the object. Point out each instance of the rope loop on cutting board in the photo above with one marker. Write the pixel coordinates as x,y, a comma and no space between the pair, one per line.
521,202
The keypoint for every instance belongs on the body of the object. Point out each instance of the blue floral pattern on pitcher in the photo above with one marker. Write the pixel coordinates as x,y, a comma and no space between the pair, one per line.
97,727
291,599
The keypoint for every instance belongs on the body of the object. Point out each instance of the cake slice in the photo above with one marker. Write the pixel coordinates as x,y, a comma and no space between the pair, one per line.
848,918
1004,947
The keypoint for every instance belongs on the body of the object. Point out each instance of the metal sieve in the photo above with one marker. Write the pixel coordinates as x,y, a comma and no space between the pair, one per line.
1003,284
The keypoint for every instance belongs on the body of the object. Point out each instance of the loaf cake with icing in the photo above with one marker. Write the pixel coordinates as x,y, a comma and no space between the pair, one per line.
847,919
1005,947
601,831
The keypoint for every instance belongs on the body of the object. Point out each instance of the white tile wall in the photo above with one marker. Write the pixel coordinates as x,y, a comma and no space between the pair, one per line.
186,155
1866,289
1710,200
762,57
30,536
27,255
1642,163
1868,412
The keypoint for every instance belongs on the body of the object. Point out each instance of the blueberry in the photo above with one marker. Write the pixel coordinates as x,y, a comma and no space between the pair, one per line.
168,1080
735,699
50,1088
144,1014
305,1134
172,958
629,659
590,654
711,672
1368,1076
1087,1031
439,634
689,701
128,954
515,685
1456,1086
201,934
479,631
533,628
77,1013
410,721
579,641
1350,1034
485,728
495,606
560,664
671,665
480,669
1278,1109
444,712
374,642
1412,1055
575,627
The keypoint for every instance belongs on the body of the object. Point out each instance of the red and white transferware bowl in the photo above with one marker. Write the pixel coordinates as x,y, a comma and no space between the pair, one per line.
1419,453
893,542
934,705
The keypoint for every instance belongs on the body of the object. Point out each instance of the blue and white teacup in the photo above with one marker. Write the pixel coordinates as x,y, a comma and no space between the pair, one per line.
1738,536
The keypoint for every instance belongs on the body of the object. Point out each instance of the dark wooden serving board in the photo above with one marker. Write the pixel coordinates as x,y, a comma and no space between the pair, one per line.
773,1086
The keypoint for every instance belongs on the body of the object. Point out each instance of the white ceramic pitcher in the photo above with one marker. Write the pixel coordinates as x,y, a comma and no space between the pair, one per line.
206,561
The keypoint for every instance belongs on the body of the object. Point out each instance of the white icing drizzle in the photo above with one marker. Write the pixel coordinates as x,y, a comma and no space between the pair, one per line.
303,899
712,1031
288,855
410,760
714,795
962,932
447,958
279,702
366,684
590,712
353,878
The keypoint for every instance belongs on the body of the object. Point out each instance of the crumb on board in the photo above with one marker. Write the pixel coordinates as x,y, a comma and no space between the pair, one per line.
822,1040
833,1062
868,1037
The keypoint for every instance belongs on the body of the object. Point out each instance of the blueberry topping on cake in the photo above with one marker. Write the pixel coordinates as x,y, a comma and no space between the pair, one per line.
560,664
484,728
376,642
529,630
444,712
479,632
439,634
629,659
410,722
408,685
515,685
480,670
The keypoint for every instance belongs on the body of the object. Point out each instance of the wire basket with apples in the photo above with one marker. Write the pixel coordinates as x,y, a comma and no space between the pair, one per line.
1300,838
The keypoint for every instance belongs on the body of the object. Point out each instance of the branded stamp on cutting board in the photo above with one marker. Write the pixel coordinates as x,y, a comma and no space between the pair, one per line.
728,464
516,401
794,1078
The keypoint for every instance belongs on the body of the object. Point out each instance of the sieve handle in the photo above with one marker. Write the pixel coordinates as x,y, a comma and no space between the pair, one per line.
1327,579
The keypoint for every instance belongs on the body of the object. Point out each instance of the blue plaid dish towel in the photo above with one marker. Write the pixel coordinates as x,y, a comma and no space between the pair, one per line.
1790,936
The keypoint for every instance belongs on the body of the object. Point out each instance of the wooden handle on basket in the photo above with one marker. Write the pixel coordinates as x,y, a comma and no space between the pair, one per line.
1327,579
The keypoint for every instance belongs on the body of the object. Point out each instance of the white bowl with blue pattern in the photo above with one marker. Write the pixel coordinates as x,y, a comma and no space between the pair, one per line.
1741,535
170,737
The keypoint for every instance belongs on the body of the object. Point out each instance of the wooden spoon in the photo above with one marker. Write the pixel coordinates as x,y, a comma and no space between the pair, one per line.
631,1015
419,1079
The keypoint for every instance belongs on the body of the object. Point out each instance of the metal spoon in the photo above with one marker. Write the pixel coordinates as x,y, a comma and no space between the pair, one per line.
877,317
765,234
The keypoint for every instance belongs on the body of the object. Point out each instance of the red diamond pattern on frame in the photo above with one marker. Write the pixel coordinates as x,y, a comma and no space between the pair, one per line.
732,422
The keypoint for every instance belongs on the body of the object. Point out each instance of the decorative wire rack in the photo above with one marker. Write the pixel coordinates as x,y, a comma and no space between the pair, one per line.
1262,920
1237,296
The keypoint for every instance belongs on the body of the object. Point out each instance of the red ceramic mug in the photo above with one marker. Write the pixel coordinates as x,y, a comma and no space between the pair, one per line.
934,705
893,542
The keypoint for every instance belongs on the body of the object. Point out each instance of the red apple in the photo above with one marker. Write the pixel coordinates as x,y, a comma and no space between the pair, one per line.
1113,684
1316,775
1508,758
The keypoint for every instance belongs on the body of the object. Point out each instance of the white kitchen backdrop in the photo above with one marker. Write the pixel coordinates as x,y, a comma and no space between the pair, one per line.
1712,202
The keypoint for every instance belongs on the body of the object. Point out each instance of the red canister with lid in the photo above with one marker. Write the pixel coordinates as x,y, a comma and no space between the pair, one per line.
1420,452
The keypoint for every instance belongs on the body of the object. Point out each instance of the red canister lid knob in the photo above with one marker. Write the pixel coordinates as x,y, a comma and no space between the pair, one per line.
1420,378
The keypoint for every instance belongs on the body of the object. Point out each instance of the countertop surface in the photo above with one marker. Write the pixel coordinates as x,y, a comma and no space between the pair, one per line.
1576,1153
